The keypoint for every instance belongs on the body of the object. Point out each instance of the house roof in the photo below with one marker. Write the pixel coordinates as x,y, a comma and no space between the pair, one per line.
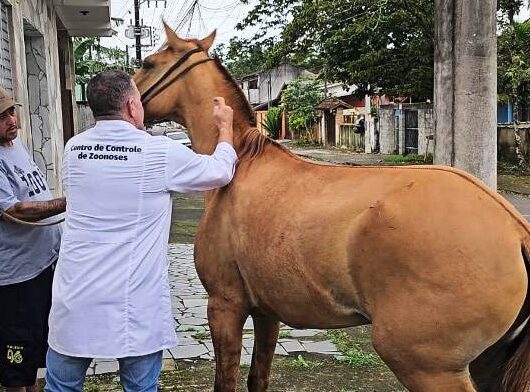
333,103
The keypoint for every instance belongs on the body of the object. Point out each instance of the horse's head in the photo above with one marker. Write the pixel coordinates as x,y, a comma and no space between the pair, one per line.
165,77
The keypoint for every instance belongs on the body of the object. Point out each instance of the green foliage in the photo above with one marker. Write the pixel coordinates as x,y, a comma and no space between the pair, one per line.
91,58
201,335
381,46
302,363
284,335
243,56
299,100
408,159
513,59
273,122
386,46
350,349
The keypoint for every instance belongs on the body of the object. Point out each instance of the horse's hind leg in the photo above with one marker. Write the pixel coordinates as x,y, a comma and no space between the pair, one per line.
226,321
422,362
437,382
265,338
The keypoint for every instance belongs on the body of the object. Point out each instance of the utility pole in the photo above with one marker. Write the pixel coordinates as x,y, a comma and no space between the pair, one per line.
465,88
137,32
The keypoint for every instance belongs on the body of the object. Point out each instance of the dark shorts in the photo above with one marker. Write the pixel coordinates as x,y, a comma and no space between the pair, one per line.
24,310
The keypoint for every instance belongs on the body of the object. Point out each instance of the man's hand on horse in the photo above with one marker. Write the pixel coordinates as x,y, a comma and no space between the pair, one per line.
223,118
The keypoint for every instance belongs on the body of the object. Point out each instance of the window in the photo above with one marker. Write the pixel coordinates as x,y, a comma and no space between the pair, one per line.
253,84
6,79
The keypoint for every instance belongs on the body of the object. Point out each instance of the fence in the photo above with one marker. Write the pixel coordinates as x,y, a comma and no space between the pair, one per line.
349,139
84,117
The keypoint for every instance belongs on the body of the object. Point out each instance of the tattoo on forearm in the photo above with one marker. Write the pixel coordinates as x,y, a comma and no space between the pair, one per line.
36,210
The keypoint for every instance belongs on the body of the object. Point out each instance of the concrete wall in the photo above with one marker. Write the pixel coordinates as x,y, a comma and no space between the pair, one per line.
392,127
506,142
35,67
85,119
271,82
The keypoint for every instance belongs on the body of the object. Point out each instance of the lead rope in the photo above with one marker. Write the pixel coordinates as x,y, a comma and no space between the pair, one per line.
12,219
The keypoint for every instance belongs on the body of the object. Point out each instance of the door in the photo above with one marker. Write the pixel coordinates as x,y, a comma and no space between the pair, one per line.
411,131
330,128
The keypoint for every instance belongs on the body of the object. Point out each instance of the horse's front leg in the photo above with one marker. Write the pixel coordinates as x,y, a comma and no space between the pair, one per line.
265,338
226,319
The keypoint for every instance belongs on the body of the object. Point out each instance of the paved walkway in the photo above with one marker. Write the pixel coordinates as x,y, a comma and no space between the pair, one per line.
189,309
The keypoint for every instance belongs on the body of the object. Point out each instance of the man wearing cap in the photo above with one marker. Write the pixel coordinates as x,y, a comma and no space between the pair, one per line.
27,255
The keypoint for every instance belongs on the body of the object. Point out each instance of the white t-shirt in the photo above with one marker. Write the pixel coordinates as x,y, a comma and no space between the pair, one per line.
111,294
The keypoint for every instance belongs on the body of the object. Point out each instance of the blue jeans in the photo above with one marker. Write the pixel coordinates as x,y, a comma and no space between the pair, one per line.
67,374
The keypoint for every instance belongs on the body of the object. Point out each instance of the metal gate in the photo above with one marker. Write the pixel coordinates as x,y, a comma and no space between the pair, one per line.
6,78
411,132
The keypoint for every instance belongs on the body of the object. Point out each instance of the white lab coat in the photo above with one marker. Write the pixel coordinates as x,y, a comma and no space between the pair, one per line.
111,295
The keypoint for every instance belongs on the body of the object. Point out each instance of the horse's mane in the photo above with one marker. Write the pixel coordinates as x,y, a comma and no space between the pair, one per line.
253,142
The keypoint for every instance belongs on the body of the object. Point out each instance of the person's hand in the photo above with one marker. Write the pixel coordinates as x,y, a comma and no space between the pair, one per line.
223,116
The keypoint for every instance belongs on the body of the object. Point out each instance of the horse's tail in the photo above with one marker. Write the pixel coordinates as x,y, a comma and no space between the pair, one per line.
516,376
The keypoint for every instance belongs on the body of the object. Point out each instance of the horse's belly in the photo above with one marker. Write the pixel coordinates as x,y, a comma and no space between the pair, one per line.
301,305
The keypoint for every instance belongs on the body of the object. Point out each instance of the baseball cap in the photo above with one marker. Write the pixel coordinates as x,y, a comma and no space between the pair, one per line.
6,100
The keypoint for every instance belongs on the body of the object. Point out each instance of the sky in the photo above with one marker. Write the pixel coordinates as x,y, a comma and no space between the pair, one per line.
222,15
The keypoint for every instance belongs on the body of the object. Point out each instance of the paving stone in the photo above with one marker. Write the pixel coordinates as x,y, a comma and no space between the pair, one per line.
248,343
208,357
292,346
41,373
304,333
190,303
194,321
320,347
166,354
106,367
246,359
248,324
192,351
279,350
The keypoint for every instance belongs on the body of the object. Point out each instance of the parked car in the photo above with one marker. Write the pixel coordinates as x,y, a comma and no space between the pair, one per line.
179,136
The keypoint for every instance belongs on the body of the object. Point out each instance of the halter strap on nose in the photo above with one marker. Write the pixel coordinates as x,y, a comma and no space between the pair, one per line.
147,96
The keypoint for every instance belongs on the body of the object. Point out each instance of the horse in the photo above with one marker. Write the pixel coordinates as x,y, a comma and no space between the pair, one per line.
432,258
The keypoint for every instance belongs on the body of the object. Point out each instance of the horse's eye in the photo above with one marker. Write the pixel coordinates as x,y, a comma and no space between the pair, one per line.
147,65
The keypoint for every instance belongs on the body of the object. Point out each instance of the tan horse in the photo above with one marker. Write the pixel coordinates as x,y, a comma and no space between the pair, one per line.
428,255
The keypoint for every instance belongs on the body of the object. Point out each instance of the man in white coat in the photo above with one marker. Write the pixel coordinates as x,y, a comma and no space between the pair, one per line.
111,295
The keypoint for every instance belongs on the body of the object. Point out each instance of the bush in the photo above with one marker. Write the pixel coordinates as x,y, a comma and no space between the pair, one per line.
273,122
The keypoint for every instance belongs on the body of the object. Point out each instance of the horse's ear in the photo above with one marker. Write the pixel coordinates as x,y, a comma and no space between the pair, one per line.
172,37
207,42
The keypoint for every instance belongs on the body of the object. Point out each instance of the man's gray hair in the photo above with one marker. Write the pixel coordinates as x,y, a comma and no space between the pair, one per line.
108,92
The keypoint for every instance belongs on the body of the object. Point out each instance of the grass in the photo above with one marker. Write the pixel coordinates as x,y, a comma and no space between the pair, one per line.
352,352
408,159
284,335
202,335
302,363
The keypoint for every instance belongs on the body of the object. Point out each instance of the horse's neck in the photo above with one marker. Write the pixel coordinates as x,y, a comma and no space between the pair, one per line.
199,115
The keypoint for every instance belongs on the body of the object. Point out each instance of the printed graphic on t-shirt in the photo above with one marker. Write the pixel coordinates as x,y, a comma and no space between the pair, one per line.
104,151
33,180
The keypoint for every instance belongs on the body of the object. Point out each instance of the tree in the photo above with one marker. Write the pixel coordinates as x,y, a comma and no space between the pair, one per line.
90,58
514,72
299,100
242,56
379,45
384,45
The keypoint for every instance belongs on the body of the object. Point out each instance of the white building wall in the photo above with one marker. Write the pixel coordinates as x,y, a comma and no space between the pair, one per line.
35,68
